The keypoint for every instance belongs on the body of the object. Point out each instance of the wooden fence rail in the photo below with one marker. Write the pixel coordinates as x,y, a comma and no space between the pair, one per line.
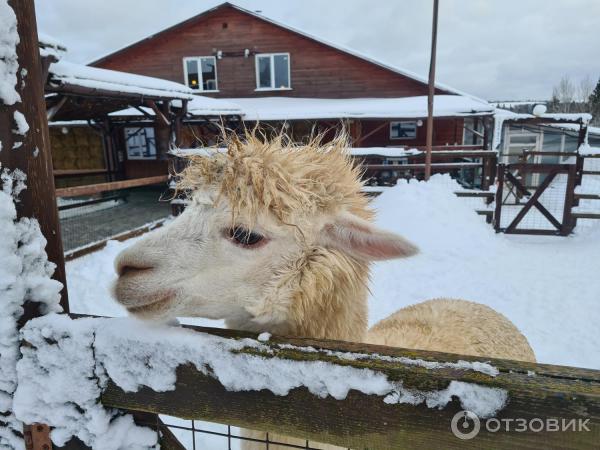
537,393
90,189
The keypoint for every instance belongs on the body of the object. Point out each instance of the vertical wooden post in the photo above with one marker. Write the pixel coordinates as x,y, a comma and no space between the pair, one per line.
499,189
568,222
431,92
30,153
33,155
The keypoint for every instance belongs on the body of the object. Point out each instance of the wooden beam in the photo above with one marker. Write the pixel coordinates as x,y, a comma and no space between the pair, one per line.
54,109
536,392
77,172
90,189
370,133
31,153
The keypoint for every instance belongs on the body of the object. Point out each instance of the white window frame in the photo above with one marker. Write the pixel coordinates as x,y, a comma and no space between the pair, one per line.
135,131
198,59
403,138
272,58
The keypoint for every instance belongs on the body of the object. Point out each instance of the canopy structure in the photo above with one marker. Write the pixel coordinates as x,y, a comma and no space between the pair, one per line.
89,93
290,108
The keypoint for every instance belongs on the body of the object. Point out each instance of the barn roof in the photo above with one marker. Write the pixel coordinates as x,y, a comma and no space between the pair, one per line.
345,49
67,76
293,108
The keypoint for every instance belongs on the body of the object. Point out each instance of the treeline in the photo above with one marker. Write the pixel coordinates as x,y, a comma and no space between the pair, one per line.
576,96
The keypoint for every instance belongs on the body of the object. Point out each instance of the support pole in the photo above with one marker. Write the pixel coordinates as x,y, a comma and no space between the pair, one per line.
31,153
429,141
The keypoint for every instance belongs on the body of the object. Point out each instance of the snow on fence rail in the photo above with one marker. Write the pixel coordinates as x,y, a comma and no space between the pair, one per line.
348,394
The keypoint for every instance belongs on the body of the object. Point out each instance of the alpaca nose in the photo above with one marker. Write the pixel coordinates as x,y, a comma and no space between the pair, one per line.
124,266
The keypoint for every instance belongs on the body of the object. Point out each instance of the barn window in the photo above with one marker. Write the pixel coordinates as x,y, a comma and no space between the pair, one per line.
200,72
140,143
403,130
273,71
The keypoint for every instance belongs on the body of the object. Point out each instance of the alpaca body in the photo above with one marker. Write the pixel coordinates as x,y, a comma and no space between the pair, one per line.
452,326
278,237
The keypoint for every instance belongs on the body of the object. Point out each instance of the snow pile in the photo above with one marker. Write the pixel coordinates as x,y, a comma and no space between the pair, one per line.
77,358
9,65
60,385
545,285
24,276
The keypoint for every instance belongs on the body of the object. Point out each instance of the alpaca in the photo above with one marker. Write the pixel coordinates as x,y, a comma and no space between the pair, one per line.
278,237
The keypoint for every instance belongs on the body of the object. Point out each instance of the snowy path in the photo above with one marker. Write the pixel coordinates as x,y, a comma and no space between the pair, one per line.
548,286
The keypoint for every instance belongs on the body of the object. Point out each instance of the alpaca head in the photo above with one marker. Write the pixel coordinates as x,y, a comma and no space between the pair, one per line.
270,228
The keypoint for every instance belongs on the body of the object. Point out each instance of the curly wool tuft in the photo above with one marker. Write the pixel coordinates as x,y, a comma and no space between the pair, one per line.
290,181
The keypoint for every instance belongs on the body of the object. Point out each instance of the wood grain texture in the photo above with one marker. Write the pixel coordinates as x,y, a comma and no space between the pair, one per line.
365,421
75,191
31,153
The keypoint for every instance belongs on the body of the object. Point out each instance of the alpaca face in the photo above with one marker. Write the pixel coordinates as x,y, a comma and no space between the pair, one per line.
271,227
203,265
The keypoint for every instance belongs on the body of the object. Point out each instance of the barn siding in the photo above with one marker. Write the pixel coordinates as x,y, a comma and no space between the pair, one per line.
445,132
317,70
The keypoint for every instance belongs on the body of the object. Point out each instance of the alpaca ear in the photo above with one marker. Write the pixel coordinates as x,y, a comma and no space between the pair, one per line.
363,240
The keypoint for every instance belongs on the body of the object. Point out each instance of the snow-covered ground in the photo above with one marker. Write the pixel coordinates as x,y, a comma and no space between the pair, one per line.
548,286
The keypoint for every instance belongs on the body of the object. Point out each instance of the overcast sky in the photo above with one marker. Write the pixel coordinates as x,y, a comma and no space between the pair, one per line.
496,49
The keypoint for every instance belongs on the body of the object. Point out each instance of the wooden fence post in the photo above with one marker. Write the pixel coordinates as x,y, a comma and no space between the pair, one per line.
32,153
499,189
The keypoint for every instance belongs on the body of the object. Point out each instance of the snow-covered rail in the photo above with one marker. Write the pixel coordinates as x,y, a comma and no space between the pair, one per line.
349,394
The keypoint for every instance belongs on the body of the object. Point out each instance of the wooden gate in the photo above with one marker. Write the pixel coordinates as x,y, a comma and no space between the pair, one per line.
538,197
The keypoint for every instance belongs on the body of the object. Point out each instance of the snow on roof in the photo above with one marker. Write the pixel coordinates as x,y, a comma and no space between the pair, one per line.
198,106
387,152
345,49
291,108
201,105
575,127
511,103
64,72
46,40
505,114
50,46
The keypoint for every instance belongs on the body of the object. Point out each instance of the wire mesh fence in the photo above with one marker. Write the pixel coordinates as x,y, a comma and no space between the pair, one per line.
89,219
201,435
552,199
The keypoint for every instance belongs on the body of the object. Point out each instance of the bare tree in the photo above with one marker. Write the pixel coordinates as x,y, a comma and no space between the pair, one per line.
584,89
564,92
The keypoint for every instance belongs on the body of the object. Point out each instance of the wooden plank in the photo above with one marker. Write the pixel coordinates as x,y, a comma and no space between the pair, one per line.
540,168
590,172
587,196
90,189
78,172
499,190
479,194
586,215
536,391
568,221
421,166
32,156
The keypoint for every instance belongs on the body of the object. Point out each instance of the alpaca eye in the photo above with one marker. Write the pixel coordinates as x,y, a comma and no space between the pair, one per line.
245,237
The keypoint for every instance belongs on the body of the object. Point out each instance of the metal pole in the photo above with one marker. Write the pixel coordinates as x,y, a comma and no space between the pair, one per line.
429,141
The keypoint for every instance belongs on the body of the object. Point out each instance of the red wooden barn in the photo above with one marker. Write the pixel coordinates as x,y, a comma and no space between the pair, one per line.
283,76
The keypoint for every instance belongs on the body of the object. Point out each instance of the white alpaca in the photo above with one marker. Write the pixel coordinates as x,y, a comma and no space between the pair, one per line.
279,238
